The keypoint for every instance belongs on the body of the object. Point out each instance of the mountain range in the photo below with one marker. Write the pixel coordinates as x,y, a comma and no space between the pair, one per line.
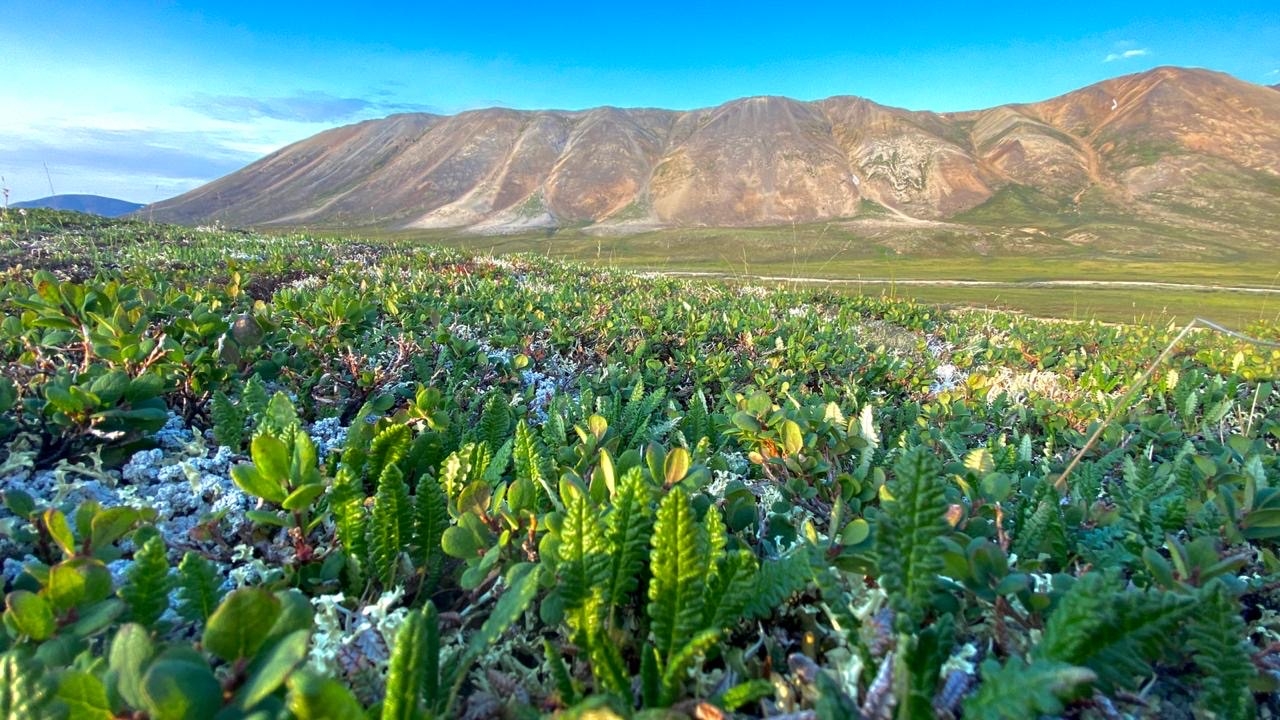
92,204
1179,148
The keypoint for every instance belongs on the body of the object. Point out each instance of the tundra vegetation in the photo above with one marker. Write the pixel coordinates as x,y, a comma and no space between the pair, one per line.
278,476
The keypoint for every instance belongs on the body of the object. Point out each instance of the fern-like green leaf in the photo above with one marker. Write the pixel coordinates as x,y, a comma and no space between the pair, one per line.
387,449
199,588
495,422
630,523
147,584
778,579
1217,635
677,564
430,518
26,690
673,674
583,563
735,583
228,421
909,539
254,398
351,519
1016,690
1113,631
390,525
416,652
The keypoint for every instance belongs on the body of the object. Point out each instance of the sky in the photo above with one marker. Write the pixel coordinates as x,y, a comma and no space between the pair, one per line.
146,100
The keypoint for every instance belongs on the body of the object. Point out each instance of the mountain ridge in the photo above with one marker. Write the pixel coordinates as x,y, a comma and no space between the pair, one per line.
92,204
1177,145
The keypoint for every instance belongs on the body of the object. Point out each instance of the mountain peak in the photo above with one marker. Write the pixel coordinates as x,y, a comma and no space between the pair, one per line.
1137,141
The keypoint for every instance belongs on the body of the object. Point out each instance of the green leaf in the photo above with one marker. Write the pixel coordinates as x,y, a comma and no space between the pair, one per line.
522,587
84,696
271,457
19,503
390,525
792,437
346,502
8,394
77,582
908,543
131,651
239,625
312,697
111,524
177,689
199,587
26,690
1017,690
1113,631
628,527
60,531
676,466
676,563
270,668
31,614
249,479
430,519
302,498
146,587
583,552
407,669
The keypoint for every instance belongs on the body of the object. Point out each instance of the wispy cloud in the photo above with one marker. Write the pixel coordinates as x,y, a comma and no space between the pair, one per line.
308,107
1126,54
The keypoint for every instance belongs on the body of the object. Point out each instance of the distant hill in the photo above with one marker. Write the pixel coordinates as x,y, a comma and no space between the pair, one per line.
1171,148
92,204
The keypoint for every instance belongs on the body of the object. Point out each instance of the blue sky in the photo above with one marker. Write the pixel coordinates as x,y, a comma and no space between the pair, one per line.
144,100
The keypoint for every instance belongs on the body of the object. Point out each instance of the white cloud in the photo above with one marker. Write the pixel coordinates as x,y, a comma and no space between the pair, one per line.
1125,55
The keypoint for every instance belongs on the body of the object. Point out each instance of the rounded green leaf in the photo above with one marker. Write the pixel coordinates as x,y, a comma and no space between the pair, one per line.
676,466
460,543
302,497
792,437
60,531
855,532
312,697
31,614
178,690
239,626
84,696
746,421
250,479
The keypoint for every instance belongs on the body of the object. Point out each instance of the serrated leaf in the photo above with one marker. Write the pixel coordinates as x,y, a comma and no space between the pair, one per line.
199,588
676,564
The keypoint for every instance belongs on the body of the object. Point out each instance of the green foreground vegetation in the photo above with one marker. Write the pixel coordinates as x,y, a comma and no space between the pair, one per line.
293,477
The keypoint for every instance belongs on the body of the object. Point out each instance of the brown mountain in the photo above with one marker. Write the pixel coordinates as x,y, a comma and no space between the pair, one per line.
1172,146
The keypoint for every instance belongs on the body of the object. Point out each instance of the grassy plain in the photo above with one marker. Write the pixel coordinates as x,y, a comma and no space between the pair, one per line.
918,262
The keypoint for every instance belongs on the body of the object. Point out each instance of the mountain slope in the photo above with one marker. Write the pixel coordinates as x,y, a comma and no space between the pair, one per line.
92,204
1178,147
